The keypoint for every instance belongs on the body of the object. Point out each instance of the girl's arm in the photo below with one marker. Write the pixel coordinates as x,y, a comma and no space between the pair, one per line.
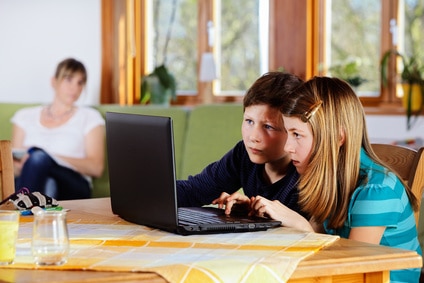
370,235
318,228
263,207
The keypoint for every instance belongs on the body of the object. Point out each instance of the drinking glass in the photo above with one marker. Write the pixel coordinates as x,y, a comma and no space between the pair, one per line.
9,225
50,241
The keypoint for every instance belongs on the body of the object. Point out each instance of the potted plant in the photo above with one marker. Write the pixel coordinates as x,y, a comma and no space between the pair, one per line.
160,86
412,81
348,70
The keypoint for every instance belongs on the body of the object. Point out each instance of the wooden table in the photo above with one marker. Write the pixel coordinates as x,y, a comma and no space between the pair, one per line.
344,261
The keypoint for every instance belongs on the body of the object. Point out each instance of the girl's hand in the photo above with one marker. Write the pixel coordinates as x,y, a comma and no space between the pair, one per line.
263,207
230,201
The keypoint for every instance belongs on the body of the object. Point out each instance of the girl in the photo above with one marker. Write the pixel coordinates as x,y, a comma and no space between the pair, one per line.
343,185
64,142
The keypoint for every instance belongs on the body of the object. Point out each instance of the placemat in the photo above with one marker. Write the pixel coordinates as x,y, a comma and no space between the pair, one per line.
268,256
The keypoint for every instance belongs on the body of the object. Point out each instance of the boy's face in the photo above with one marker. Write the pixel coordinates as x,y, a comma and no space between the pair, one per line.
263,133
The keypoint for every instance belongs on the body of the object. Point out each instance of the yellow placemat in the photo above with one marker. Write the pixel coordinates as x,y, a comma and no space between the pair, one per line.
269,256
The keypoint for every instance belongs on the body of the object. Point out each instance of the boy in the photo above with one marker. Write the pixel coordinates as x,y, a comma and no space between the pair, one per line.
258,163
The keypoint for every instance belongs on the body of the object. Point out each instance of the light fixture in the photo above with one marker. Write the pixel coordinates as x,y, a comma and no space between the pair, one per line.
207,72
207,68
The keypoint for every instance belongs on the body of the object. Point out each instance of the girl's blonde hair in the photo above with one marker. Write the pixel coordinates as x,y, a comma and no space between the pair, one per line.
337,120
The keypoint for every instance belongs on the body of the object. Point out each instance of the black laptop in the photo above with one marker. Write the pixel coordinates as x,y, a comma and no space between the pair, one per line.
140,151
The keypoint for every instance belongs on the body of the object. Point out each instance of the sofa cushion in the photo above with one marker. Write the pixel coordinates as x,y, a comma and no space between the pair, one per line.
212,131
179,117
7,110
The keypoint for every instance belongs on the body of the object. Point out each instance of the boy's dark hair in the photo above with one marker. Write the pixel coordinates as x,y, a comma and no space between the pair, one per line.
270,89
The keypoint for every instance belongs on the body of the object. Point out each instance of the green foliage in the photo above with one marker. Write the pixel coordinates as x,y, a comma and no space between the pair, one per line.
412,73
159,86
355,30
240,45
348,70
413,68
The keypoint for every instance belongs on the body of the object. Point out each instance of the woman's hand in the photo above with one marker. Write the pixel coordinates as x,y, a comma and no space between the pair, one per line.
18,164
274,209
93,163
233,200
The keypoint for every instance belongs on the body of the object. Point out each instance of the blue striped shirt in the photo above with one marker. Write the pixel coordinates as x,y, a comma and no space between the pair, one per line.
381,200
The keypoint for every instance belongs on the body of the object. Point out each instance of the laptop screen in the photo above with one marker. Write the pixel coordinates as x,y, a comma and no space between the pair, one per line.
140,152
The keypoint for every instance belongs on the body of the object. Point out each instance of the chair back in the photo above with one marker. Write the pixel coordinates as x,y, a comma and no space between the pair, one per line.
7,178
408,163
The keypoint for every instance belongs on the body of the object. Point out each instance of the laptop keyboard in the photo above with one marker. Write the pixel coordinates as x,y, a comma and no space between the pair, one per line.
188,216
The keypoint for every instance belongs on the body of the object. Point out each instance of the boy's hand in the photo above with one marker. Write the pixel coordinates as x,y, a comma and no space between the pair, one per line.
237,201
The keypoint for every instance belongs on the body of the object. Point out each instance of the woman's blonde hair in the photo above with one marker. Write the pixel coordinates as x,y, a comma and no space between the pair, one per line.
337,120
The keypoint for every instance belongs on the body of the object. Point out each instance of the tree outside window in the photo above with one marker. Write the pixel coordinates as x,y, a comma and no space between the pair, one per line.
240,46
354,32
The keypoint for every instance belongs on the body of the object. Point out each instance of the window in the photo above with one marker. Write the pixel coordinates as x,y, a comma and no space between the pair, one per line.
173,40
254,36
241,47
411,25
236,33
362,31
353,36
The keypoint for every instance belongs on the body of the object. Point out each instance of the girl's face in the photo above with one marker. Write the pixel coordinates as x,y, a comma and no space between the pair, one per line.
299,142
263,134
69,88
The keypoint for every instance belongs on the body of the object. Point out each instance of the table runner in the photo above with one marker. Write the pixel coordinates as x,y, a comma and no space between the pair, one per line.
269,256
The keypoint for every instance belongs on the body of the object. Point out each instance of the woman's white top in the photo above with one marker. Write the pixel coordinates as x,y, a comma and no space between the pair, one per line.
66,140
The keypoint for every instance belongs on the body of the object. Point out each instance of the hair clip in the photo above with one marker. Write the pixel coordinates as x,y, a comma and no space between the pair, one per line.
312,110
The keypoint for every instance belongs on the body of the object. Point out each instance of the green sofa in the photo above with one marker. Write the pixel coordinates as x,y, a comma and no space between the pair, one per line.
202,134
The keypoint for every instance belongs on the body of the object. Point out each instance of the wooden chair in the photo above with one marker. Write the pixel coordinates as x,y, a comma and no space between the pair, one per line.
7,178
408,163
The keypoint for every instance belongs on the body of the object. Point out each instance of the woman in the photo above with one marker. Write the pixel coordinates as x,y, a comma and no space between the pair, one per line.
64,142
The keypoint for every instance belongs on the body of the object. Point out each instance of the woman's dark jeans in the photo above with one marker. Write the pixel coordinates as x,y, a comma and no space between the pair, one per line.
41,173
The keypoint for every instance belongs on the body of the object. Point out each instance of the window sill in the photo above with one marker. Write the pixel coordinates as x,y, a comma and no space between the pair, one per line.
392,109
384,110
389,108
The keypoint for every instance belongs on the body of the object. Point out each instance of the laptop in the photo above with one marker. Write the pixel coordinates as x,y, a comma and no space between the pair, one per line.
140,151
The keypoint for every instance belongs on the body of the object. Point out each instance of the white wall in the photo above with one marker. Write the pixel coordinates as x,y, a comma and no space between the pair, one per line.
393,128
35,35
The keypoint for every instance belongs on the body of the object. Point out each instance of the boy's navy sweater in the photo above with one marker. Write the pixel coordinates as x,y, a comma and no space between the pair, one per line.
232,172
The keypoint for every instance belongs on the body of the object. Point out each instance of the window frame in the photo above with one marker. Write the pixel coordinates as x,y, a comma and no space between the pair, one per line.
307,16
387,102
